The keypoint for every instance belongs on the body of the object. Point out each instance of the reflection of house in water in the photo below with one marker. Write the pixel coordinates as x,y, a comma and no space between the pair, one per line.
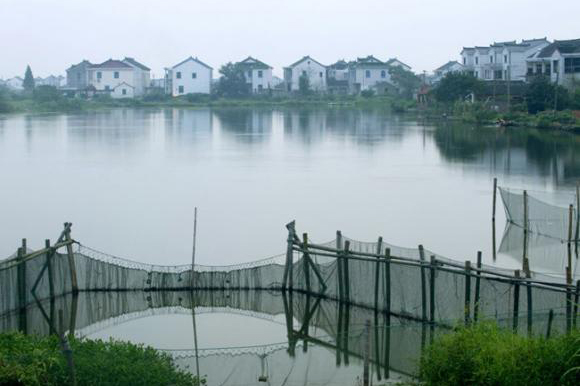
186,125
309,125
115,128
246,125
511,152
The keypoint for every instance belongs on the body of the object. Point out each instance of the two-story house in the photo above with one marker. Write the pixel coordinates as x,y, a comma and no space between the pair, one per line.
307,67
369,74
77,75
559,61
190,76
258,74
449,67
338,75
125,78
141,75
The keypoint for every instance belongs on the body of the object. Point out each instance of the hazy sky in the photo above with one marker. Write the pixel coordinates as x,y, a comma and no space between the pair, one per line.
50,35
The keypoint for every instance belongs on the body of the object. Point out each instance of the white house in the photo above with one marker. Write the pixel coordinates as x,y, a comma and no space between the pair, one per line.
14,83
394,62
369,74
501,61
141,75
258,74
560,62
449,67
123,90
313,70
190,76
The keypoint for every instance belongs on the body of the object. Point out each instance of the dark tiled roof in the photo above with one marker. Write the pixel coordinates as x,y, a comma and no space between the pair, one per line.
111,64
195,60
564,46
369,60
340,65
136,64
250,62
393,60
447,65
307,57
83,63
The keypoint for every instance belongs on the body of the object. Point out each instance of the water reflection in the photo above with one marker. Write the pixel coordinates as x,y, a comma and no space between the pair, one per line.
250,126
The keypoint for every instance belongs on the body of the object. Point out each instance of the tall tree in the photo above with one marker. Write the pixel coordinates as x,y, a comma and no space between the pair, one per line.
544,95
304,85
405,80
456,86
233,83
28,82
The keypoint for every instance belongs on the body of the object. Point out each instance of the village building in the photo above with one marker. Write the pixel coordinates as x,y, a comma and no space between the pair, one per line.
141,76
15,84
338,77
107,76
123,90
501,61
559,62
369,74
394,62
190,76
307,67
77,75
258,75
449,67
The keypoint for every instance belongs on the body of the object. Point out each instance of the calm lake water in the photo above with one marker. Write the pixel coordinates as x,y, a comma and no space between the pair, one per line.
129,179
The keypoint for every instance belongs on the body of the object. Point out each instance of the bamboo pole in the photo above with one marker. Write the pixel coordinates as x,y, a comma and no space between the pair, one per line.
346,271
339,265
377,272
71,259
305,264
477,288
516,311
467,291
423,284
432,289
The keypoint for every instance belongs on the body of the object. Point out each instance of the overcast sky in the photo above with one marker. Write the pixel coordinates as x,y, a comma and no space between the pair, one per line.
50,35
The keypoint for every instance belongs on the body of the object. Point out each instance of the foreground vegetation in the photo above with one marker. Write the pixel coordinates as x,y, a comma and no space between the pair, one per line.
486,355
31,360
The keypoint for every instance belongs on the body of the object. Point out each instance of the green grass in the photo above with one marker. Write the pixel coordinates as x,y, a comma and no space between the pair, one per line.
487,355
32,360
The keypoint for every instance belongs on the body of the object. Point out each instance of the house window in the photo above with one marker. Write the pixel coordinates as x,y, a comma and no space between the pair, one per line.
193,75
491,59
116,74
260,73
464,61
180,89
368,73
476,60
303,73
497,74
250,74
383,74
547,69
99,75
530,70
124,91
178,75
505,58
539,68
555,66
320,74
571,65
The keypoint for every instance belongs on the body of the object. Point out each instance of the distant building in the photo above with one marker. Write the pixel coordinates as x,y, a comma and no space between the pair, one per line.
449,67
107,76
501,61
77,75
394,62
313,70
190,76
14,83
258,74
158,83
51,80
369,74
338,77
559,61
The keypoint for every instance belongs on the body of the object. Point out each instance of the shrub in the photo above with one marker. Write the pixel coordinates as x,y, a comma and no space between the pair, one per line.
31,360
487,355
367,93
45,94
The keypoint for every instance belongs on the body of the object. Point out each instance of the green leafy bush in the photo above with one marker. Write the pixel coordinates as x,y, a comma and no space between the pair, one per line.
31,360
487,355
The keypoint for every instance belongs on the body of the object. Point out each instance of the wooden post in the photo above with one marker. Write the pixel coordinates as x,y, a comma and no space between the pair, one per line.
21,289
570,222
577,214
576,300
494,199
366,381
387,354
568,303
339,266
339,334
525,212
287,281
550,319
377,343
305,264
467,291
346,333
49,255
377,272
388,280
71,259
516,301
192,282
423,284
530,308
477,288
432,290
346,271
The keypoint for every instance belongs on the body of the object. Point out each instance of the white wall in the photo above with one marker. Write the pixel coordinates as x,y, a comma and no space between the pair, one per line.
315,72
118,92
108,77
358,75
252,76
201,84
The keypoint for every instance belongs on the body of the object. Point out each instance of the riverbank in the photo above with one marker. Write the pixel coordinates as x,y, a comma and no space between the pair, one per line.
32,360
